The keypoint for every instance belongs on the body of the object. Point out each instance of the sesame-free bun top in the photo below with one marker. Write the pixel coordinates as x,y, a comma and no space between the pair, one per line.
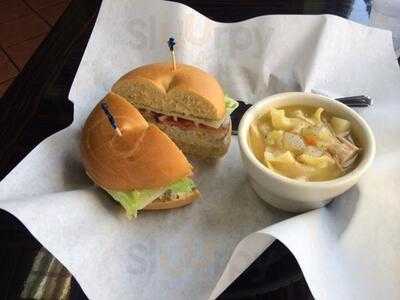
187,91
143,157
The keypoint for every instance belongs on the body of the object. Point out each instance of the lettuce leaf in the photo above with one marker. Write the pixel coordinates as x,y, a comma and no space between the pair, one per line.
230,105
135,200
185,185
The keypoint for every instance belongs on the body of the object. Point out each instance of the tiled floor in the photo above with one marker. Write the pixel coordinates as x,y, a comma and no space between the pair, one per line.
23,26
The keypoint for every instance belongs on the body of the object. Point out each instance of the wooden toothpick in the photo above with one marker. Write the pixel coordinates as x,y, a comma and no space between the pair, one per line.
110,117
171,44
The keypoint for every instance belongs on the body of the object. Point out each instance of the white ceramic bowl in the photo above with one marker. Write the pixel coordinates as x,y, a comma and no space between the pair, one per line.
290,194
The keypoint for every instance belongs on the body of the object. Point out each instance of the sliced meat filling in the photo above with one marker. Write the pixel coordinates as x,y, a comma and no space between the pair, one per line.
184,124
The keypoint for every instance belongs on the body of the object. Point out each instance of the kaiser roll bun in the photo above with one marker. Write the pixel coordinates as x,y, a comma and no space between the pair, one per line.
187,91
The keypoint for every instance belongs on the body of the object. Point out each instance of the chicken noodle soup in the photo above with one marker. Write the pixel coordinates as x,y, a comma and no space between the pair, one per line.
304,143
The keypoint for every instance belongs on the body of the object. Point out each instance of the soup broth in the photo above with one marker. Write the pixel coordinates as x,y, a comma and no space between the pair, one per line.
304,143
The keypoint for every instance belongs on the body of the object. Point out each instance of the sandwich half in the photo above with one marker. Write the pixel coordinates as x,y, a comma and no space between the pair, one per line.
187,103
142,168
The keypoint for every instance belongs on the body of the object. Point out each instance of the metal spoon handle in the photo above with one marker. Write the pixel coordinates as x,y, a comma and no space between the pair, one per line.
356,101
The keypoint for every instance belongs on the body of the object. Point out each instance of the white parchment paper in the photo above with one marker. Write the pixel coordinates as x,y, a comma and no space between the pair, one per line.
349,250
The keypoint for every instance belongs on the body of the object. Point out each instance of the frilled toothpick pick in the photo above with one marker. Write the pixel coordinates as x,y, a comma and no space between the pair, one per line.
171,44
110,117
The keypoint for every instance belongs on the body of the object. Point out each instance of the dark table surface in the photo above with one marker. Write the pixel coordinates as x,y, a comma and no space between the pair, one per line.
36,106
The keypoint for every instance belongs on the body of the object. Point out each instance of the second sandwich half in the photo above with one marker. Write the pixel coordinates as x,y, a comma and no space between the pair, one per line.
187,103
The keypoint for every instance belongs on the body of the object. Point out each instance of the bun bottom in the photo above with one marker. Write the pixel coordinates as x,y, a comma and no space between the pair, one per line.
198,143
203,152
192,145
173,203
